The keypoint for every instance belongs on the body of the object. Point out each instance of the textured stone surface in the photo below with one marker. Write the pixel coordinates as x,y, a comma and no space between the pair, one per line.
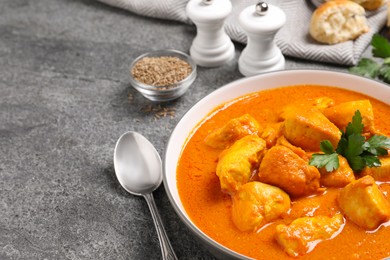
65,98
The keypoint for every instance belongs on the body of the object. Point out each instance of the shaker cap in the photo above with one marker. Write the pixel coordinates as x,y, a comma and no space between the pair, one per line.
208,10
262,18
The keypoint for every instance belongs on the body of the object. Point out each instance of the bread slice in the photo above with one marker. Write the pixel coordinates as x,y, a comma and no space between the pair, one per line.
338,21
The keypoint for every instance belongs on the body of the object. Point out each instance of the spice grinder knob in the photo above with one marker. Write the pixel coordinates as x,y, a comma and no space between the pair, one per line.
211,46
261,8
260,23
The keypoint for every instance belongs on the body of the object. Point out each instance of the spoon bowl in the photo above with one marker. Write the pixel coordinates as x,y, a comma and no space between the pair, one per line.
138,169
137,164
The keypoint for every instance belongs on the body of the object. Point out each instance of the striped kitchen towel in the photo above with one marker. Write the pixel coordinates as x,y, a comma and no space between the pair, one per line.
293,39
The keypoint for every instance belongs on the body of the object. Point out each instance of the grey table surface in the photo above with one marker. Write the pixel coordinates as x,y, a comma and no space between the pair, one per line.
65,98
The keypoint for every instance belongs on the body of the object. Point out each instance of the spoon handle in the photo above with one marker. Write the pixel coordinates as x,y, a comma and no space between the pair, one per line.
166,247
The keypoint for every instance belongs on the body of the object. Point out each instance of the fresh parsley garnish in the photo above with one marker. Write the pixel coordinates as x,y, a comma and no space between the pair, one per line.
371,68
358,151
367,68
380,46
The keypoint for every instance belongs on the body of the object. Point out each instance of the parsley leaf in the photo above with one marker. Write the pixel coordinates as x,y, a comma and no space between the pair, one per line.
329,161
386,60
384,73
327,147
355,126
379,140
376,145
355,146
342,145
357,163
381,47
366,68
372,161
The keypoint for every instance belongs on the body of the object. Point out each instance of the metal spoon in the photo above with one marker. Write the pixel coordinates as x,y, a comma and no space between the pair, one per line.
138,169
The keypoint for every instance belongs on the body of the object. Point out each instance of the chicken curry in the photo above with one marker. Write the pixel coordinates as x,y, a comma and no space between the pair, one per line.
246,176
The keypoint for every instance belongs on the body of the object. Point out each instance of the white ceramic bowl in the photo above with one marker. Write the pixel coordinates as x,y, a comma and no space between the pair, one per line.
199,111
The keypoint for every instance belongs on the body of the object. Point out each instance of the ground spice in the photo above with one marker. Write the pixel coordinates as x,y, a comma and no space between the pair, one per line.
161,71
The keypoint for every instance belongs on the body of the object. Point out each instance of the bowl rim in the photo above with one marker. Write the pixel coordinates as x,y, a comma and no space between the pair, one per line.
294,72
164,52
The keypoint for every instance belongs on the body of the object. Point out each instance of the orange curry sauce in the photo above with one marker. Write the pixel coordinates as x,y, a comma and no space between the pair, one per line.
210,209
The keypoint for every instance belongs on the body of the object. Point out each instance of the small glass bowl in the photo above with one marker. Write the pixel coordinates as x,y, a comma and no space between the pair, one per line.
168,92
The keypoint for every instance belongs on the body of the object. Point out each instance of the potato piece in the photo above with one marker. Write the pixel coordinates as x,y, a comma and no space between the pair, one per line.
283,168
237,164
234,130
303,234
256,204
381,173
308,127
364,204
342,114
338,178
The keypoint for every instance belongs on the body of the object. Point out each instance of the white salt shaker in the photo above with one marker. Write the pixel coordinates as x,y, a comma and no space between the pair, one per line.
261,22
211,47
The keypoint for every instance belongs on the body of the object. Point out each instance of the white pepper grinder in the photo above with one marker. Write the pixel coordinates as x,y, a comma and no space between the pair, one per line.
211,47
261,22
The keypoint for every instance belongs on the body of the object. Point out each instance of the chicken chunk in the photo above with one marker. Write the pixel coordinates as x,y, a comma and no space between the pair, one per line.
298,150
303,234
234,130
318,103
271,134
323,103
364,204
342,114
338,178
285,169
308,127
381,173
237,164
291,110
256,204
